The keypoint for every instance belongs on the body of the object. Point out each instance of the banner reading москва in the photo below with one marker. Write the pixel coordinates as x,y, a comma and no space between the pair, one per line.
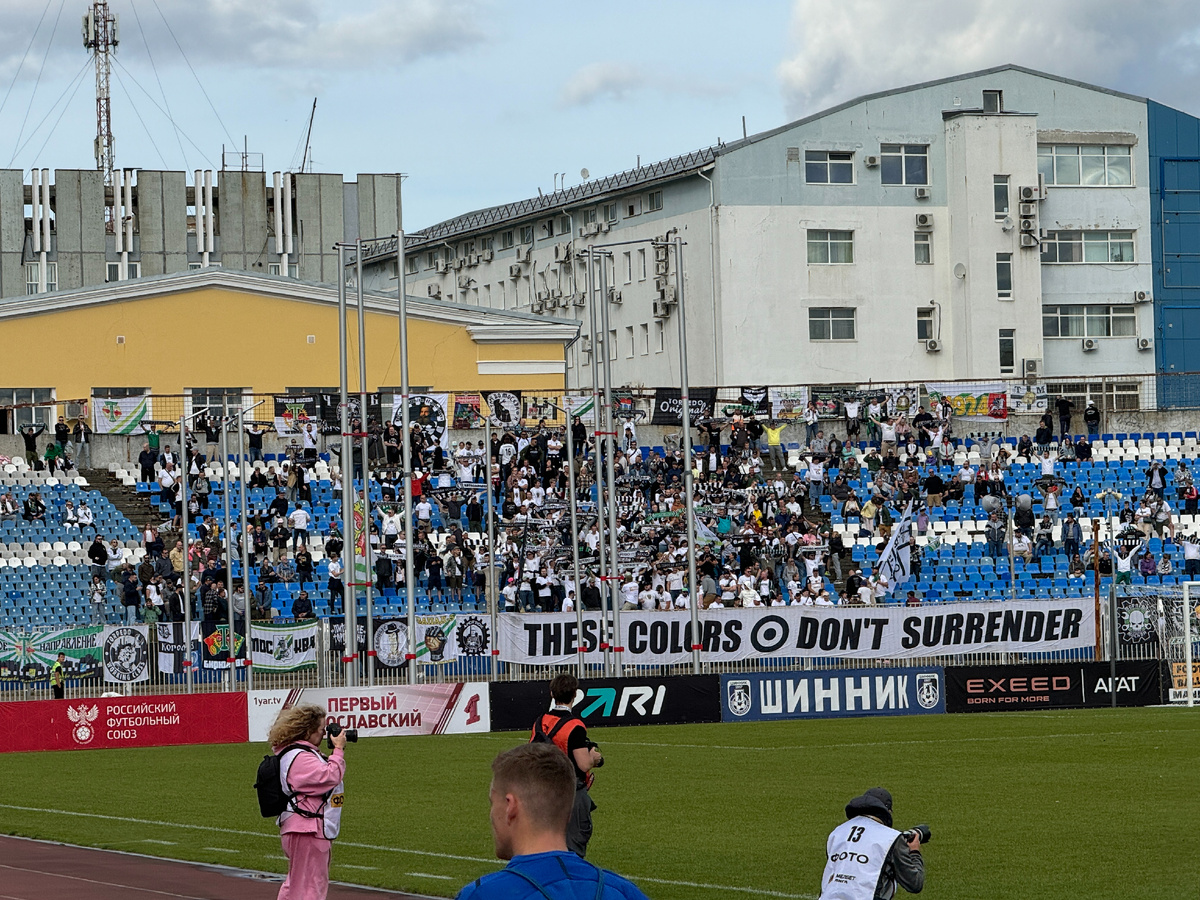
887,632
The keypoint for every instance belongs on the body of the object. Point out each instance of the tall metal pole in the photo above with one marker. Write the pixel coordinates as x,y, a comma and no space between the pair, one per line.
366,465
349,597
610,473
493,602
598,348
228,539
688,488
241,423
1187,640
410,587
187,578
571,499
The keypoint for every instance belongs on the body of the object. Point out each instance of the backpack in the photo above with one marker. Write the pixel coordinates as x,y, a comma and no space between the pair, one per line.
547,737
273,800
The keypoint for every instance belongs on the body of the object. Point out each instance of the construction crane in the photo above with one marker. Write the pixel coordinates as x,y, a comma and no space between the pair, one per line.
101,36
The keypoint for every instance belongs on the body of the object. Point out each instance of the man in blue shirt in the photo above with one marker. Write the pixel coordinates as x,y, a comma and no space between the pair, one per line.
532,793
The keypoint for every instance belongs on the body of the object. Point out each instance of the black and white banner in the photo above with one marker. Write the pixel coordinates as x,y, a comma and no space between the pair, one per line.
884,632
172,649
127,653
895,564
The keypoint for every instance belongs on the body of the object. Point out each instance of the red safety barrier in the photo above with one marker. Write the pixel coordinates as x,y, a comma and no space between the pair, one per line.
108,722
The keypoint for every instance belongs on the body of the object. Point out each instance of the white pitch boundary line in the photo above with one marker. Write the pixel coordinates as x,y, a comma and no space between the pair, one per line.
429,875
965,740
220,850
761,892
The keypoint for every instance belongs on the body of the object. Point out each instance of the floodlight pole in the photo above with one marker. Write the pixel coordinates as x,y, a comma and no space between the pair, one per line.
232,649
410,587
183,521
1187,639
688,486
489,584
574,537
598,347
241,423
349,598
610,472
364,438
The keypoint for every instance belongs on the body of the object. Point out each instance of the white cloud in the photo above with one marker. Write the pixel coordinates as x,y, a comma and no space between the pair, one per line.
293,35
855,47
602,80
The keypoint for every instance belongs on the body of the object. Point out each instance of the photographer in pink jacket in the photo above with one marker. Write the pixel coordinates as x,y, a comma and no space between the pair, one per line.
315,789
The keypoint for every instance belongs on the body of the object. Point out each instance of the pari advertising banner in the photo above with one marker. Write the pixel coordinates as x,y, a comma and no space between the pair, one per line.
283,648
1052,686
727,635
394,711
612,701
108,722
832,694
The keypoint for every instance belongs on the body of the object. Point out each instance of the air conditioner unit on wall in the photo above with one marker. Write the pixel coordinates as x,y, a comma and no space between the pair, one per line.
514,270
434,290
1145,343
1029,194
1029,240
922,193
441,266
1141,297
580,299
614,296
924,220
1027,209
661,310
932,346
1032,368
871,162
1090,344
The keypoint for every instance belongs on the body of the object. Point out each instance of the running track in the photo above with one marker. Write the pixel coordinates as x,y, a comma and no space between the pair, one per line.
38,870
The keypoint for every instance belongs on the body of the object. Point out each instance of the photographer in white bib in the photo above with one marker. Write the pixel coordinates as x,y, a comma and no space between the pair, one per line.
866,858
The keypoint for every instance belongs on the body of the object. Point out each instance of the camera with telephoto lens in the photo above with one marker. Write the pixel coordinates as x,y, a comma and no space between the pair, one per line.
920,832
333,729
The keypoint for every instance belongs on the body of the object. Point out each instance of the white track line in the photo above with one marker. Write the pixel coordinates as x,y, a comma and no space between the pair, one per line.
478,859
965,740
127,887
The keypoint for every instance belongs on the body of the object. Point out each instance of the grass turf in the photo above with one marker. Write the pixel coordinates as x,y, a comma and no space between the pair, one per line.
1094,804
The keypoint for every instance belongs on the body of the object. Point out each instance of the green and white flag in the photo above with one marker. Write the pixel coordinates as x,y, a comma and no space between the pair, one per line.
30,654
119,415
284,648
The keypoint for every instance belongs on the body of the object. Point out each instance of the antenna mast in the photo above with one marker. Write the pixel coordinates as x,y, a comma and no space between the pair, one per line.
308,137
101,36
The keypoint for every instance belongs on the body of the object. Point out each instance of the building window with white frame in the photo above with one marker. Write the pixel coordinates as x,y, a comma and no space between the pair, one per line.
1091,320
410,266
830,247
925,323
630,343
904,164
831,323
1085,165
526,234
627,260
923,248
42,409
1087,247
31,277
1008,351
641,257
209,399
612,345
828,167
1004,279
1000,196
654,201
659,339
633,207
645,339
564,225
506,240
589,216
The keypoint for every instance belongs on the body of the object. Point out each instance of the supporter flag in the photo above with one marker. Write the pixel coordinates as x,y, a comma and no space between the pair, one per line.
171,647
704,534
467,412
293,413
504,408
894,563
30,654
362,565
581,406
215,647
283,648
120,415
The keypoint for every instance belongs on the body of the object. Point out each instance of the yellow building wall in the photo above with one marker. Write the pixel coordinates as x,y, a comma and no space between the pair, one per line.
215,338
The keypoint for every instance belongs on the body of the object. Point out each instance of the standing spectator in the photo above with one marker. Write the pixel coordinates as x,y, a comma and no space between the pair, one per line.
254,441
1191,557
1063,407
131,597
82,434
1072,535
776,455
58,677
62,436
811,418
299,519
98,598
337,590
29,434
146,460
1091,418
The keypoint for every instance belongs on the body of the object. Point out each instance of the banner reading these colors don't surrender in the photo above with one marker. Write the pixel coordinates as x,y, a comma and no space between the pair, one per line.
862,632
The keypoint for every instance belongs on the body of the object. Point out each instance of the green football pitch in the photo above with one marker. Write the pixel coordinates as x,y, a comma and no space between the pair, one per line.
1071,804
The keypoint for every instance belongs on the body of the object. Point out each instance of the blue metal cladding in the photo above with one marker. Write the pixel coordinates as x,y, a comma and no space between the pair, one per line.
1174,154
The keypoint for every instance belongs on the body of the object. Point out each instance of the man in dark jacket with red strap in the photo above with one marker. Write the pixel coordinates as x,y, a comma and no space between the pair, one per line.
561,727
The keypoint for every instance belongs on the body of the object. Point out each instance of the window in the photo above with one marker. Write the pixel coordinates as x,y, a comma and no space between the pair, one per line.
629,342
608,212
633,207
654,201
1086,165
645,329
43,411
830,247
922,248
993,101
133,270
641,255
31,277
548,228
1004,287
612,344
1089,321
904,163
658,336
116,393
925,324
431,259
1008,352
627,259
487,243
1108,395
506,240
487,295
564,225
410,265
210,399
828,167
1087,247
830,323
589,216
526,234
1000,196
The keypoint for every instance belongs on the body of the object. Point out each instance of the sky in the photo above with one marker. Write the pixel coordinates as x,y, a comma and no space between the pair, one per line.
482,102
